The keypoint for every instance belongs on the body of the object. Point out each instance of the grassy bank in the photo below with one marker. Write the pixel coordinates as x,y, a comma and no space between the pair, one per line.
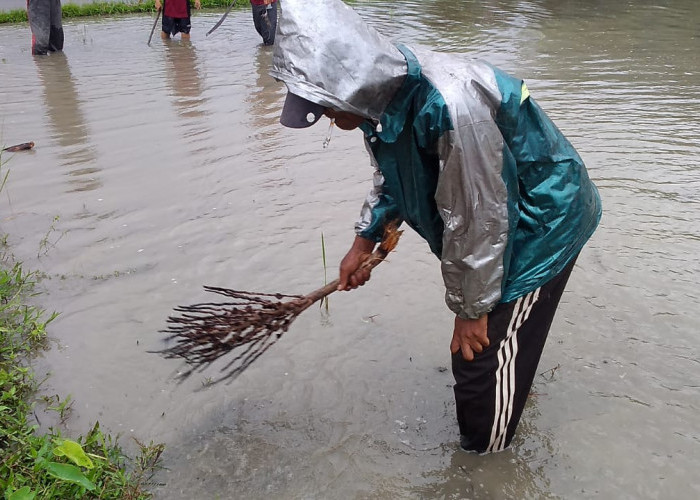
49,465
110,8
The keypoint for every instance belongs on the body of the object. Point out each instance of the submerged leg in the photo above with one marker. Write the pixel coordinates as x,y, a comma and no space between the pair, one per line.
39,16
491,391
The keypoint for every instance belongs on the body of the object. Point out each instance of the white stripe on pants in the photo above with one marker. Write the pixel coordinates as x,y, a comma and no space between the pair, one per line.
505,373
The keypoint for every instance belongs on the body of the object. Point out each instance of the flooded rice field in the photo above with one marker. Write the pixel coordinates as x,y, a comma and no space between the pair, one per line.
161,169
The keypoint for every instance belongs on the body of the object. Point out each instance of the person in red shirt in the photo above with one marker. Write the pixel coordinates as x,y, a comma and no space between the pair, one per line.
176,17
265,19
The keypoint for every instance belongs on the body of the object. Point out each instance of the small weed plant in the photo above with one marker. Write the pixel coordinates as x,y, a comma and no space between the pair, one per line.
324,302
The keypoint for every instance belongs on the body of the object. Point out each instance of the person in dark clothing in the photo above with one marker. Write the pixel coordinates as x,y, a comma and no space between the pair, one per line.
265,19
45,22
176,17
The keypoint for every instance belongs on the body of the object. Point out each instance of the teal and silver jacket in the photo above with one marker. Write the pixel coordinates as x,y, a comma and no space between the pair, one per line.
462,153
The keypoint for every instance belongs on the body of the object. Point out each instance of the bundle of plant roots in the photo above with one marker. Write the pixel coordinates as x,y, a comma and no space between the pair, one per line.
246,325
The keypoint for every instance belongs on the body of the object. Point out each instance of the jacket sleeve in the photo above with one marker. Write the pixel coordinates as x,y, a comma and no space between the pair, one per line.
472,200
379,208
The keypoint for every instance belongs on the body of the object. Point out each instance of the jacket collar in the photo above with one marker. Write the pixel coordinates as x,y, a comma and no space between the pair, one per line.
392,121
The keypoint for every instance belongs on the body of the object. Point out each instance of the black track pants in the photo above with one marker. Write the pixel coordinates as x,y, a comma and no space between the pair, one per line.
491,390
45,22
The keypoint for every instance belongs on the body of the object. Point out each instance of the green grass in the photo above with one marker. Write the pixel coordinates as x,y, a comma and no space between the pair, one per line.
48,465
110,9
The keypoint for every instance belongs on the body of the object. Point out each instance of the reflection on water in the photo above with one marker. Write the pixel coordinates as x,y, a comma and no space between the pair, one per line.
359,403
183,77
264,104
264,97
69,128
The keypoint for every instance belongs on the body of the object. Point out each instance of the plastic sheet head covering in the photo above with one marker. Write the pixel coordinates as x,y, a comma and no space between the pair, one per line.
325,52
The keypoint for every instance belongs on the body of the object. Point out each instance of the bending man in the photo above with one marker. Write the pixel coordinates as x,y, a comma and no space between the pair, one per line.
464,156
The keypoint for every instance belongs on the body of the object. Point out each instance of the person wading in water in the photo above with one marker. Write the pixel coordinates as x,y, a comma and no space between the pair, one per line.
465,156
176,17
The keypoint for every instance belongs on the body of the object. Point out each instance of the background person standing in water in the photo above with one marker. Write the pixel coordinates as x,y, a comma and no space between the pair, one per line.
45,22
176,17
265,19
466,157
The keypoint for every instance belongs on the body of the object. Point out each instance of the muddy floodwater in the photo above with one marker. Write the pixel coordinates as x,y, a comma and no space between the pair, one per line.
160,169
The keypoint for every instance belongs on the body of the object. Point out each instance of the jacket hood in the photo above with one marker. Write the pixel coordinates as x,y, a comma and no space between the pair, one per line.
326,53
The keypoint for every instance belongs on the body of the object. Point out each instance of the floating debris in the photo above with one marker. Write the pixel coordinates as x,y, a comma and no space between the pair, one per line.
19,147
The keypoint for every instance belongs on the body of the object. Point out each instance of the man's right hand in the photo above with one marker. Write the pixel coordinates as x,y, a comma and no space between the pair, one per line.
470,336
158,5
351,276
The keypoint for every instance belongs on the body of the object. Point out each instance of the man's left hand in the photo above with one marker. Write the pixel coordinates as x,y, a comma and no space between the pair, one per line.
470,335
